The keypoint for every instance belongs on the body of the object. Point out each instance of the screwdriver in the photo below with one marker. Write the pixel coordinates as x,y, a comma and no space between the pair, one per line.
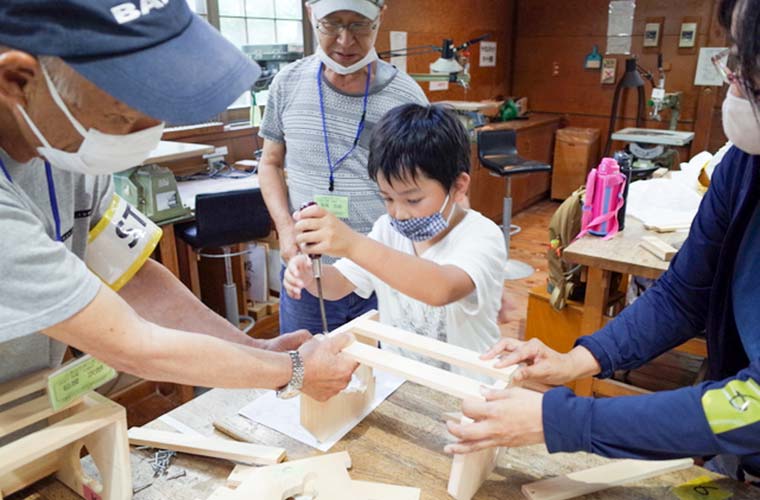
316,266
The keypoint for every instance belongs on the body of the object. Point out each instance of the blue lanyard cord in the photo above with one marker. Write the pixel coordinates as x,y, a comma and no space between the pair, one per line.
53,201
5,171
359,130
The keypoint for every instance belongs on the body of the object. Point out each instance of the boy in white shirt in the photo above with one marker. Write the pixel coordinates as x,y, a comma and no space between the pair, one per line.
436,268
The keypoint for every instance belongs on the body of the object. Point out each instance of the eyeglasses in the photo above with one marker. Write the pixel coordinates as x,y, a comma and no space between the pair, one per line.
725,62
332,29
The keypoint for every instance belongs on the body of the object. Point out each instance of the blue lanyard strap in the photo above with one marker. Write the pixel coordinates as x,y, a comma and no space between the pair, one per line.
53,200
5,171
51,193
359,130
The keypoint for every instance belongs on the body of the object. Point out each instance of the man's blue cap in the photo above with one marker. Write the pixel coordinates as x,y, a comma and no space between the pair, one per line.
156,56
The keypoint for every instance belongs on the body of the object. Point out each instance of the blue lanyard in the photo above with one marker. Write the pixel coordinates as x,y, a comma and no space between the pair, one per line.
334,166
51,194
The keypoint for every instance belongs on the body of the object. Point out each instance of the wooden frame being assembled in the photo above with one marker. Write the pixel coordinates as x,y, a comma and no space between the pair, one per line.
93,422
323,419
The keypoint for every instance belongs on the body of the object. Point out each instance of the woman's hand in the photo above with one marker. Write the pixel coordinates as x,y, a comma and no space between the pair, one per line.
542,364
508,417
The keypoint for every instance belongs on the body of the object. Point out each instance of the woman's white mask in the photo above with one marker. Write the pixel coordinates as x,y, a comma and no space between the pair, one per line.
740,123
99,153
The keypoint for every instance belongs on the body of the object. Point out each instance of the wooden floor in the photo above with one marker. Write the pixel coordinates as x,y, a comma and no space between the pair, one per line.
528,246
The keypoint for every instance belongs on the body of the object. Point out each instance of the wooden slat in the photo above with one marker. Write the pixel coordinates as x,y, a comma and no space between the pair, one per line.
25,414
208,447
94,416
600,478
454,355
429,376
16,389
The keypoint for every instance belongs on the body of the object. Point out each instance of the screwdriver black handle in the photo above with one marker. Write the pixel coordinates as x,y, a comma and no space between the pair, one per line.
304,206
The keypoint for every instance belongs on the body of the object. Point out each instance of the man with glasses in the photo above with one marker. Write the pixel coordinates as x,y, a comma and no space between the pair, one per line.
711,288
318,121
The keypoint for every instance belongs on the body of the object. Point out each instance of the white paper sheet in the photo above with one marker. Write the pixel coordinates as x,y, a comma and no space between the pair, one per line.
398,42
620,26
707,74
283,415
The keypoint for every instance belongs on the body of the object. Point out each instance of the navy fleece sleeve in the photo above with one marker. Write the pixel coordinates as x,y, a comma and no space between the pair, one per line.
711,418
675,308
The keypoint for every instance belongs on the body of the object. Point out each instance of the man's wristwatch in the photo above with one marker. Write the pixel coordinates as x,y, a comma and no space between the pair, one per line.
296,380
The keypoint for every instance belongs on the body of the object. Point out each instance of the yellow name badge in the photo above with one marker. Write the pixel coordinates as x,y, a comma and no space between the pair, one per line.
337,205
75,379
120,243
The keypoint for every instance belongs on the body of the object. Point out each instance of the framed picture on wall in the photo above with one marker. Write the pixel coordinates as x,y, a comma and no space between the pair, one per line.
688,36
652,35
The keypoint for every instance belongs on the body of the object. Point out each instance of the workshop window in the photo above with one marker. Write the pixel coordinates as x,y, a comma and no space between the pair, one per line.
254,22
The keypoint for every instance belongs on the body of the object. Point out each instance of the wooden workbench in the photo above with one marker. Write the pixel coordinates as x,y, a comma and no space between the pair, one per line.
620,254
401,443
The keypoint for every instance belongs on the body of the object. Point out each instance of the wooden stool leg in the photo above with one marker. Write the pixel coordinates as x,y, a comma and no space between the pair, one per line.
109,449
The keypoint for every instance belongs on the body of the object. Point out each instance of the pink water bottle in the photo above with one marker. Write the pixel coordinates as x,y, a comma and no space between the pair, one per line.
603,200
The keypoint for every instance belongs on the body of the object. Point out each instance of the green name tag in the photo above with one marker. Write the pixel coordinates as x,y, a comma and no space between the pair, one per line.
337,205
76,379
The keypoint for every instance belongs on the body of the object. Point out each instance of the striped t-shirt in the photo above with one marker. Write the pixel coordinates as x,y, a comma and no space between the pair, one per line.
293,117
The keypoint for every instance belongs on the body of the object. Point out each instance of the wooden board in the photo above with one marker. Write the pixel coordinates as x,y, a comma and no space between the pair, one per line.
600,478
325,418
658,248
207,447
454,355
365,490
325,477
429,376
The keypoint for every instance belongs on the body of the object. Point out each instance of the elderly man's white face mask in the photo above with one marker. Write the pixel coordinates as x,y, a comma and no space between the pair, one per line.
99,153
334,65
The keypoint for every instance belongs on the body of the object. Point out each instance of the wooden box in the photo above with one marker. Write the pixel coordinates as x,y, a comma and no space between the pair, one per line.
576,151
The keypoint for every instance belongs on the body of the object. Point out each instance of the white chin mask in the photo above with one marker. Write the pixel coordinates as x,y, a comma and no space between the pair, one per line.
740,124
99,153
345,70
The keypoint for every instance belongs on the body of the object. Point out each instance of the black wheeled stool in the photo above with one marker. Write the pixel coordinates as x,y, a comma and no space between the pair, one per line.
222,220
497,151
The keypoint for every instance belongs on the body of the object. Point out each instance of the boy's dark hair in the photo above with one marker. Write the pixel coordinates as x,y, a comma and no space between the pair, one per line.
746,35
413,139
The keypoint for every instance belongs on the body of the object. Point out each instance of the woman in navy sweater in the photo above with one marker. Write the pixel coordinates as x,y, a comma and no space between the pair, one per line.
711,287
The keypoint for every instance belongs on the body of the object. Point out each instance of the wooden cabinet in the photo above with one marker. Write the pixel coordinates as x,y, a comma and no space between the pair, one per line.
535,141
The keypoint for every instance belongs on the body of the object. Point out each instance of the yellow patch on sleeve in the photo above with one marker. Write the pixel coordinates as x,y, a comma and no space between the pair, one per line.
733,406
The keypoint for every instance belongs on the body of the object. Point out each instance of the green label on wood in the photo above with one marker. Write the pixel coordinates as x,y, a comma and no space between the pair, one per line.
76,379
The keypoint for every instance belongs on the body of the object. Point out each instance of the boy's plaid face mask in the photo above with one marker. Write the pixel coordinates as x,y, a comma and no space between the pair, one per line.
423,228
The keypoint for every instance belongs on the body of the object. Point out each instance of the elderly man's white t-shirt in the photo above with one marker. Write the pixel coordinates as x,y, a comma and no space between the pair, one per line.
475,245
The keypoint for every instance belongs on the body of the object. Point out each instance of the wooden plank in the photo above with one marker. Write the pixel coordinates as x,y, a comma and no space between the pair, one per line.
25,414
600,478
365,490
207,447
658,248
695,347
93,417
429,376
16,389
468,472
454,355
323,419
322,477
242,473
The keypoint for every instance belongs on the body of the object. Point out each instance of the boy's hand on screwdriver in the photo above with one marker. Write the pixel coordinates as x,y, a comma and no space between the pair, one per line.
320,232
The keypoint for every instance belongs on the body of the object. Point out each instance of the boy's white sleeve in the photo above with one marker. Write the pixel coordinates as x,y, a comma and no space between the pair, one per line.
481,253
361,278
